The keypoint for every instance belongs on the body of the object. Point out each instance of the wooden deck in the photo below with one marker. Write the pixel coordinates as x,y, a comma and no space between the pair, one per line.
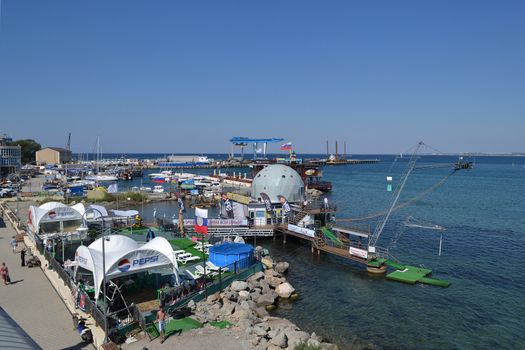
321,246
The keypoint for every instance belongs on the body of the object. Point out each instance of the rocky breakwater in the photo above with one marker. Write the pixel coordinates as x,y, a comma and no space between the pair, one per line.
245,304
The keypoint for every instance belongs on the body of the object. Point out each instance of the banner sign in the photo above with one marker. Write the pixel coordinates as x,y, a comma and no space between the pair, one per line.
216,222
359,252
138,261
301,230
267,202
61,213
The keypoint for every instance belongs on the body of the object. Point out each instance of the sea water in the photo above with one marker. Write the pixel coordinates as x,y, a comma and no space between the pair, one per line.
483,211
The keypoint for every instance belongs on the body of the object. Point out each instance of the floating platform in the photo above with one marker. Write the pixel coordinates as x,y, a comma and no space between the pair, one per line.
412,274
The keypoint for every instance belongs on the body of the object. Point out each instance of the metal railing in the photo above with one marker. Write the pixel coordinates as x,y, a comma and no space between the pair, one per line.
210,283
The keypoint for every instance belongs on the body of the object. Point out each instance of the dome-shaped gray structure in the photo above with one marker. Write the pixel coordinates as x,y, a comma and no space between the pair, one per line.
278,179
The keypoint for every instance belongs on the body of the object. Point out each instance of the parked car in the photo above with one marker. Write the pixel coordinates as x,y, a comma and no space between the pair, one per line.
7,193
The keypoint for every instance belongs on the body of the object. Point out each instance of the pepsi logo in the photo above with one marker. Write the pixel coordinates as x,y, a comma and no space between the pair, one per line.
124,265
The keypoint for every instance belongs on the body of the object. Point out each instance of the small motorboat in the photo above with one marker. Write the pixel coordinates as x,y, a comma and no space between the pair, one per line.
158,189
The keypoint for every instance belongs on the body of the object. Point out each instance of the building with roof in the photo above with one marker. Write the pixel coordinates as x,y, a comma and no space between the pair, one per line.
278,180
53,155
10,157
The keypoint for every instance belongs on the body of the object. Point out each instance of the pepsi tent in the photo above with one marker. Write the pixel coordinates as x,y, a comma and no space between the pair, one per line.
55,219
124,256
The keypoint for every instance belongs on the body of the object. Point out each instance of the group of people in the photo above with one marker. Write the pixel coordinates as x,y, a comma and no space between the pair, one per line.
4,270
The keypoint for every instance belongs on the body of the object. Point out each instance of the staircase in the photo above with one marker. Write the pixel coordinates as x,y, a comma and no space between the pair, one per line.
298,216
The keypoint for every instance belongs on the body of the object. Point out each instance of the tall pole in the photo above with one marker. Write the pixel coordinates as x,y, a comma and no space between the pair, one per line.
327,150
104,282
345,149
103,269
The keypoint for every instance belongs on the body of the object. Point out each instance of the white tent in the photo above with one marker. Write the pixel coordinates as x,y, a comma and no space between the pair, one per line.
124,256
55,219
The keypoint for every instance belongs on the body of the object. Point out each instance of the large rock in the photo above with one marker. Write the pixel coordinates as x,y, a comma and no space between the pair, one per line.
237,286
296,338
255,277
265,287
328,346
242,314
266,299
213,298
284,290
227,308
191,304
274,281
273,347
259,331
261,312
280,340
282,267
271,272
267,261
244,294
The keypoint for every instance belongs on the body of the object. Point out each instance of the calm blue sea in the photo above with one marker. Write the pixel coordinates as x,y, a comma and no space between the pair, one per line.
483,211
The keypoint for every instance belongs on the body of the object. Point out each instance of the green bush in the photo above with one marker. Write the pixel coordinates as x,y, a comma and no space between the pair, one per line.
133,196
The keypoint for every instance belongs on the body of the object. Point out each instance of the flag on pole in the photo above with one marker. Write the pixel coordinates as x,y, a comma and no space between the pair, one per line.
286,147
113,188
201,220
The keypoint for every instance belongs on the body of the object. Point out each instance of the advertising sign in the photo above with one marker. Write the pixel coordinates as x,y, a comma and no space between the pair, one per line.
359,252
216,222
301,230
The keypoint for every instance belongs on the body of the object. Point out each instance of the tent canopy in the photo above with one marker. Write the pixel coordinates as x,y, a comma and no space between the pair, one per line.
124,256
54,212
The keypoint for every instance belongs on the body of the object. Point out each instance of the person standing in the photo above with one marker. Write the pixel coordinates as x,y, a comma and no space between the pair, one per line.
161,318
182,209
4,272
150,235
23,257
287,210
326,203
14,244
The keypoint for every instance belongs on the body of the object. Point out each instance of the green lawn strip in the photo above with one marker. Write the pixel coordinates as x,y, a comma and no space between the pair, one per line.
183,324
189,246
182,243
221,324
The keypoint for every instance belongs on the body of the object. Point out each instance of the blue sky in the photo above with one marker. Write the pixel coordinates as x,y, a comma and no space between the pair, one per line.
185,76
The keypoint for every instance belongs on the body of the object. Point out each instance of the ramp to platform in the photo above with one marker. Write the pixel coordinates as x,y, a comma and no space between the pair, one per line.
330,235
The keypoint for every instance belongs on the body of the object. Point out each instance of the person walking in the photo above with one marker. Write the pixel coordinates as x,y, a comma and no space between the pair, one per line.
14,244
4,272
161,318
23,257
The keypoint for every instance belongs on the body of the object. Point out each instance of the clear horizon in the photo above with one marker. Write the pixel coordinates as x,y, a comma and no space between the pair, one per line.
187,77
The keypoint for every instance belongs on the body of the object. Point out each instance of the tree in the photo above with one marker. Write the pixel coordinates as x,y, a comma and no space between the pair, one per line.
29,148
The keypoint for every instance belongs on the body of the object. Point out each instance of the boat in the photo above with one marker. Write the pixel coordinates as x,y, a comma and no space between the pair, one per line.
101,177
158,189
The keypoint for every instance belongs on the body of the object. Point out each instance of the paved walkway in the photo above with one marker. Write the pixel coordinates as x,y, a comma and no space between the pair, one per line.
33,303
